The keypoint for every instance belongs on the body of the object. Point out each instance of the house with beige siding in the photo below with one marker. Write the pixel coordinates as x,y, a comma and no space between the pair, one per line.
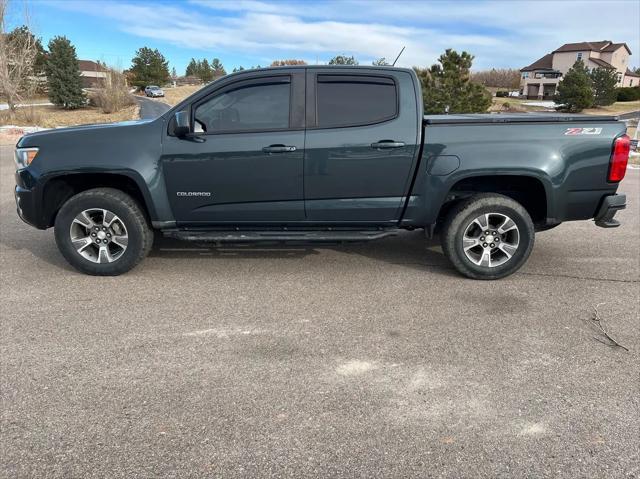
540,79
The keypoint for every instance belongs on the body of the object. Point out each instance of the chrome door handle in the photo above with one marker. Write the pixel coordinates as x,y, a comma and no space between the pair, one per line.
278,149
384,144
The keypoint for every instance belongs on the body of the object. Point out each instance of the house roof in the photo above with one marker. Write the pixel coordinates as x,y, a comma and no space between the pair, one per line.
629,73
600,46
544,63
614,46
582,46
90,66
602,63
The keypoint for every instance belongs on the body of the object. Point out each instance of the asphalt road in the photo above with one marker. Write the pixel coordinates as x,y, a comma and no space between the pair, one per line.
374,360
150,109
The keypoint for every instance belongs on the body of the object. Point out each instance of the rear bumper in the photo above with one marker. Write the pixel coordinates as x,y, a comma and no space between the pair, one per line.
610,206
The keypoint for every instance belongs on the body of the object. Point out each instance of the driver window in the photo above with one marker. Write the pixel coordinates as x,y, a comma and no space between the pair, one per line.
252,107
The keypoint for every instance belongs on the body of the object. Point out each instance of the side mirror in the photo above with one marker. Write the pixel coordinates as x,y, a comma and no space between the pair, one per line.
182,126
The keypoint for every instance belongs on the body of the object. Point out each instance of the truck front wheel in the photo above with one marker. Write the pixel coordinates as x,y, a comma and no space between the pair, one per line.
488,236
102,232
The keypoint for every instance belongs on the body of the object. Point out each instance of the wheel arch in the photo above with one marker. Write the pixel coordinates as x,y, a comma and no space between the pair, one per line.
58,188
532,191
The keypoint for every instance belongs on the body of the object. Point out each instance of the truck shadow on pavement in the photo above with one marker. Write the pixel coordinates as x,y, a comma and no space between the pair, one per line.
410,249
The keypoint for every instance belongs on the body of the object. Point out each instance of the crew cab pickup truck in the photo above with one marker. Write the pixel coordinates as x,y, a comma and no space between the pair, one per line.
319,154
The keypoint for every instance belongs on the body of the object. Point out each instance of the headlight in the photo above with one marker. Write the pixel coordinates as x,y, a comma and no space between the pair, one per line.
24,156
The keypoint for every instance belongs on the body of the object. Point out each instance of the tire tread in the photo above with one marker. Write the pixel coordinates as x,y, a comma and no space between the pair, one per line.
107,194
453,223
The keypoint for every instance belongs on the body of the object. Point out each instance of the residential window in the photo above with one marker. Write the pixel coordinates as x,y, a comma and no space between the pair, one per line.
579,56
349,100
263,106
525,75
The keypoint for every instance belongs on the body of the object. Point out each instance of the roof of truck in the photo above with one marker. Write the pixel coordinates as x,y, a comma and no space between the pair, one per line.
313,67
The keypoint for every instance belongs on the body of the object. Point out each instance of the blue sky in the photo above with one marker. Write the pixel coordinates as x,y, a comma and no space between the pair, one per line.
252,32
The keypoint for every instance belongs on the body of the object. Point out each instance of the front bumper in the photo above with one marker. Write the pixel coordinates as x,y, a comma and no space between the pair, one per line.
610,206
27,201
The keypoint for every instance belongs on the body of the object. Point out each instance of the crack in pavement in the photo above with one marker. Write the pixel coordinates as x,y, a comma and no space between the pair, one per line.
570,276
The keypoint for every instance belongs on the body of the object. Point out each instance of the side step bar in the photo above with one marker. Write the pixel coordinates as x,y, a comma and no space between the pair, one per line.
312,236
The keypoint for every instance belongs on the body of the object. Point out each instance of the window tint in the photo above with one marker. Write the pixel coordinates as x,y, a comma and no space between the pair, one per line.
264,106
354,100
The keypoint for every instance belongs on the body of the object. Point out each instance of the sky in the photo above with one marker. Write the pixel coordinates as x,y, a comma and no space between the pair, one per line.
501,34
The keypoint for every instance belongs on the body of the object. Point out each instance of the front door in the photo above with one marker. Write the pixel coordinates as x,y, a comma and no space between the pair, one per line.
243,163
360,145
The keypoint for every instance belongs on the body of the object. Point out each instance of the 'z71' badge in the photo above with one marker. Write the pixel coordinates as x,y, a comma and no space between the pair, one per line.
583,131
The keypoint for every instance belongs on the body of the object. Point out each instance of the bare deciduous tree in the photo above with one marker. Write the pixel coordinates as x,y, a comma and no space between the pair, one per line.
500,78
18,52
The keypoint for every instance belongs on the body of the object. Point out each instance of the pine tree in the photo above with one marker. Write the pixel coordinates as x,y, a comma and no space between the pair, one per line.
343,60
174,73
217,67
205,73
575,92
446,88
63,75
191,68
604,81
149,67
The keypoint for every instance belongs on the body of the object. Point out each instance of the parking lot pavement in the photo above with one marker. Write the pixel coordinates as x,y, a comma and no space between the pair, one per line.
373,360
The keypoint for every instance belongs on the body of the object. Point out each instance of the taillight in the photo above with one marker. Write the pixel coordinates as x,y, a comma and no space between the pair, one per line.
619,158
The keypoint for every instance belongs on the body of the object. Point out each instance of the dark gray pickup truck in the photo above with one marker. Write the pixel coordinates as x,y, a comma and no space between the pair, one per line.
326,154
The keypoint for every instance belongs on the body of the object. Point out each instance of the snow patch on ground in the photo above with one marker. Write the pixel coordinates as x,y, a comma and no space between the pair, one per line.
20,130
544,104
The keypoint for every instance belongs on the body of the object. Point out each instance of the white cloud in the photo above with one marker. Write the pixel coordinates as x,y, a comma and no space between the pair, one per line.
499,34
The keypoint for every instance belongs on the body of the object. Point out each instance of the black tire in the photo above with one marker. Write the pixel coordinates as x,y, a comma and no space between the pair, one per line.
463,214
140,235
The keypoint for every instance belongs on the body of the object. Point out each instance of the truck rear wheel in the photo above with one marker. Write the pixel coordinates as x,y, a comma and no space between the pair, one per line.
488,236
102,232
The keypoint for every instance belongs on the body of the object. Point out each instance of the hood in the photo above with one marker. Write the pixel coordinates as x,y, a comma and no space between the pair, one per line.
31,139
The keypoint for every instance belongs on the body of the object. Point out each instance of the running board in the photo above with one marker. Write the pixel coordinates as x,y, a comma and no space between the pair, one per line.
314,236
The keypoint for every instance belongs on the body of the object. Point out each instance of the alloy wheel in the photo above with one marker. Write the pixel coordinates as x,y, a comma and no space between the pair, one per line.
490,240
99,235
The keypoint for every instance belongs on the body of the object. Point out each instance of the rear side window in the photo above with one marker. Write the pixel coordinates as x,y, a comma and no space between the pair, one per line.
256,107
351,100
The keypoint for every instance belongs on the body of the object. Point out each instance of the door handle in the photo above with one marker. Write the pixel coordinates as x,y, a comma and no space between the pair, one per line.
278,149
384,144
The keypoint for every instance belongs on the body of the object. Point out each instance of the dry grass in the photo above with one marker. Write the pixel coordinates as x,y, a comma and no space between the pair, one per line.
512,105
51,116
616,108
516,105
173,96
114,96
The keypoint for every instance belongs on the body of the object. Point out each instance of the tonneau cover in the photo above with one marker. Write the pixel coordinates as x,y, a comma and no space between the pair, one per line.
514,118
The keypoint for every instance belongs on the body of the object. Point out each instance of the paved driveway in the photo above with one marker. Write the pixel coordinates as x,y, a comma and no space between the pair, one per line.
150,109
374,360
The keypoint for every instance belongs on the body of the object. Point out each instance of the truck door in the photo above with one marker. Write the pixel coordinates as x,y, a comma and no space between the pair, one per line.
360,145
243,163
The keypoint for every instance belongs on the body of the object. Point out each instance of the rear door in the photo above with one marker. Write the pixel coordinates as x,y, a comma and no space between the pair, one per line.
360,145
243,162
